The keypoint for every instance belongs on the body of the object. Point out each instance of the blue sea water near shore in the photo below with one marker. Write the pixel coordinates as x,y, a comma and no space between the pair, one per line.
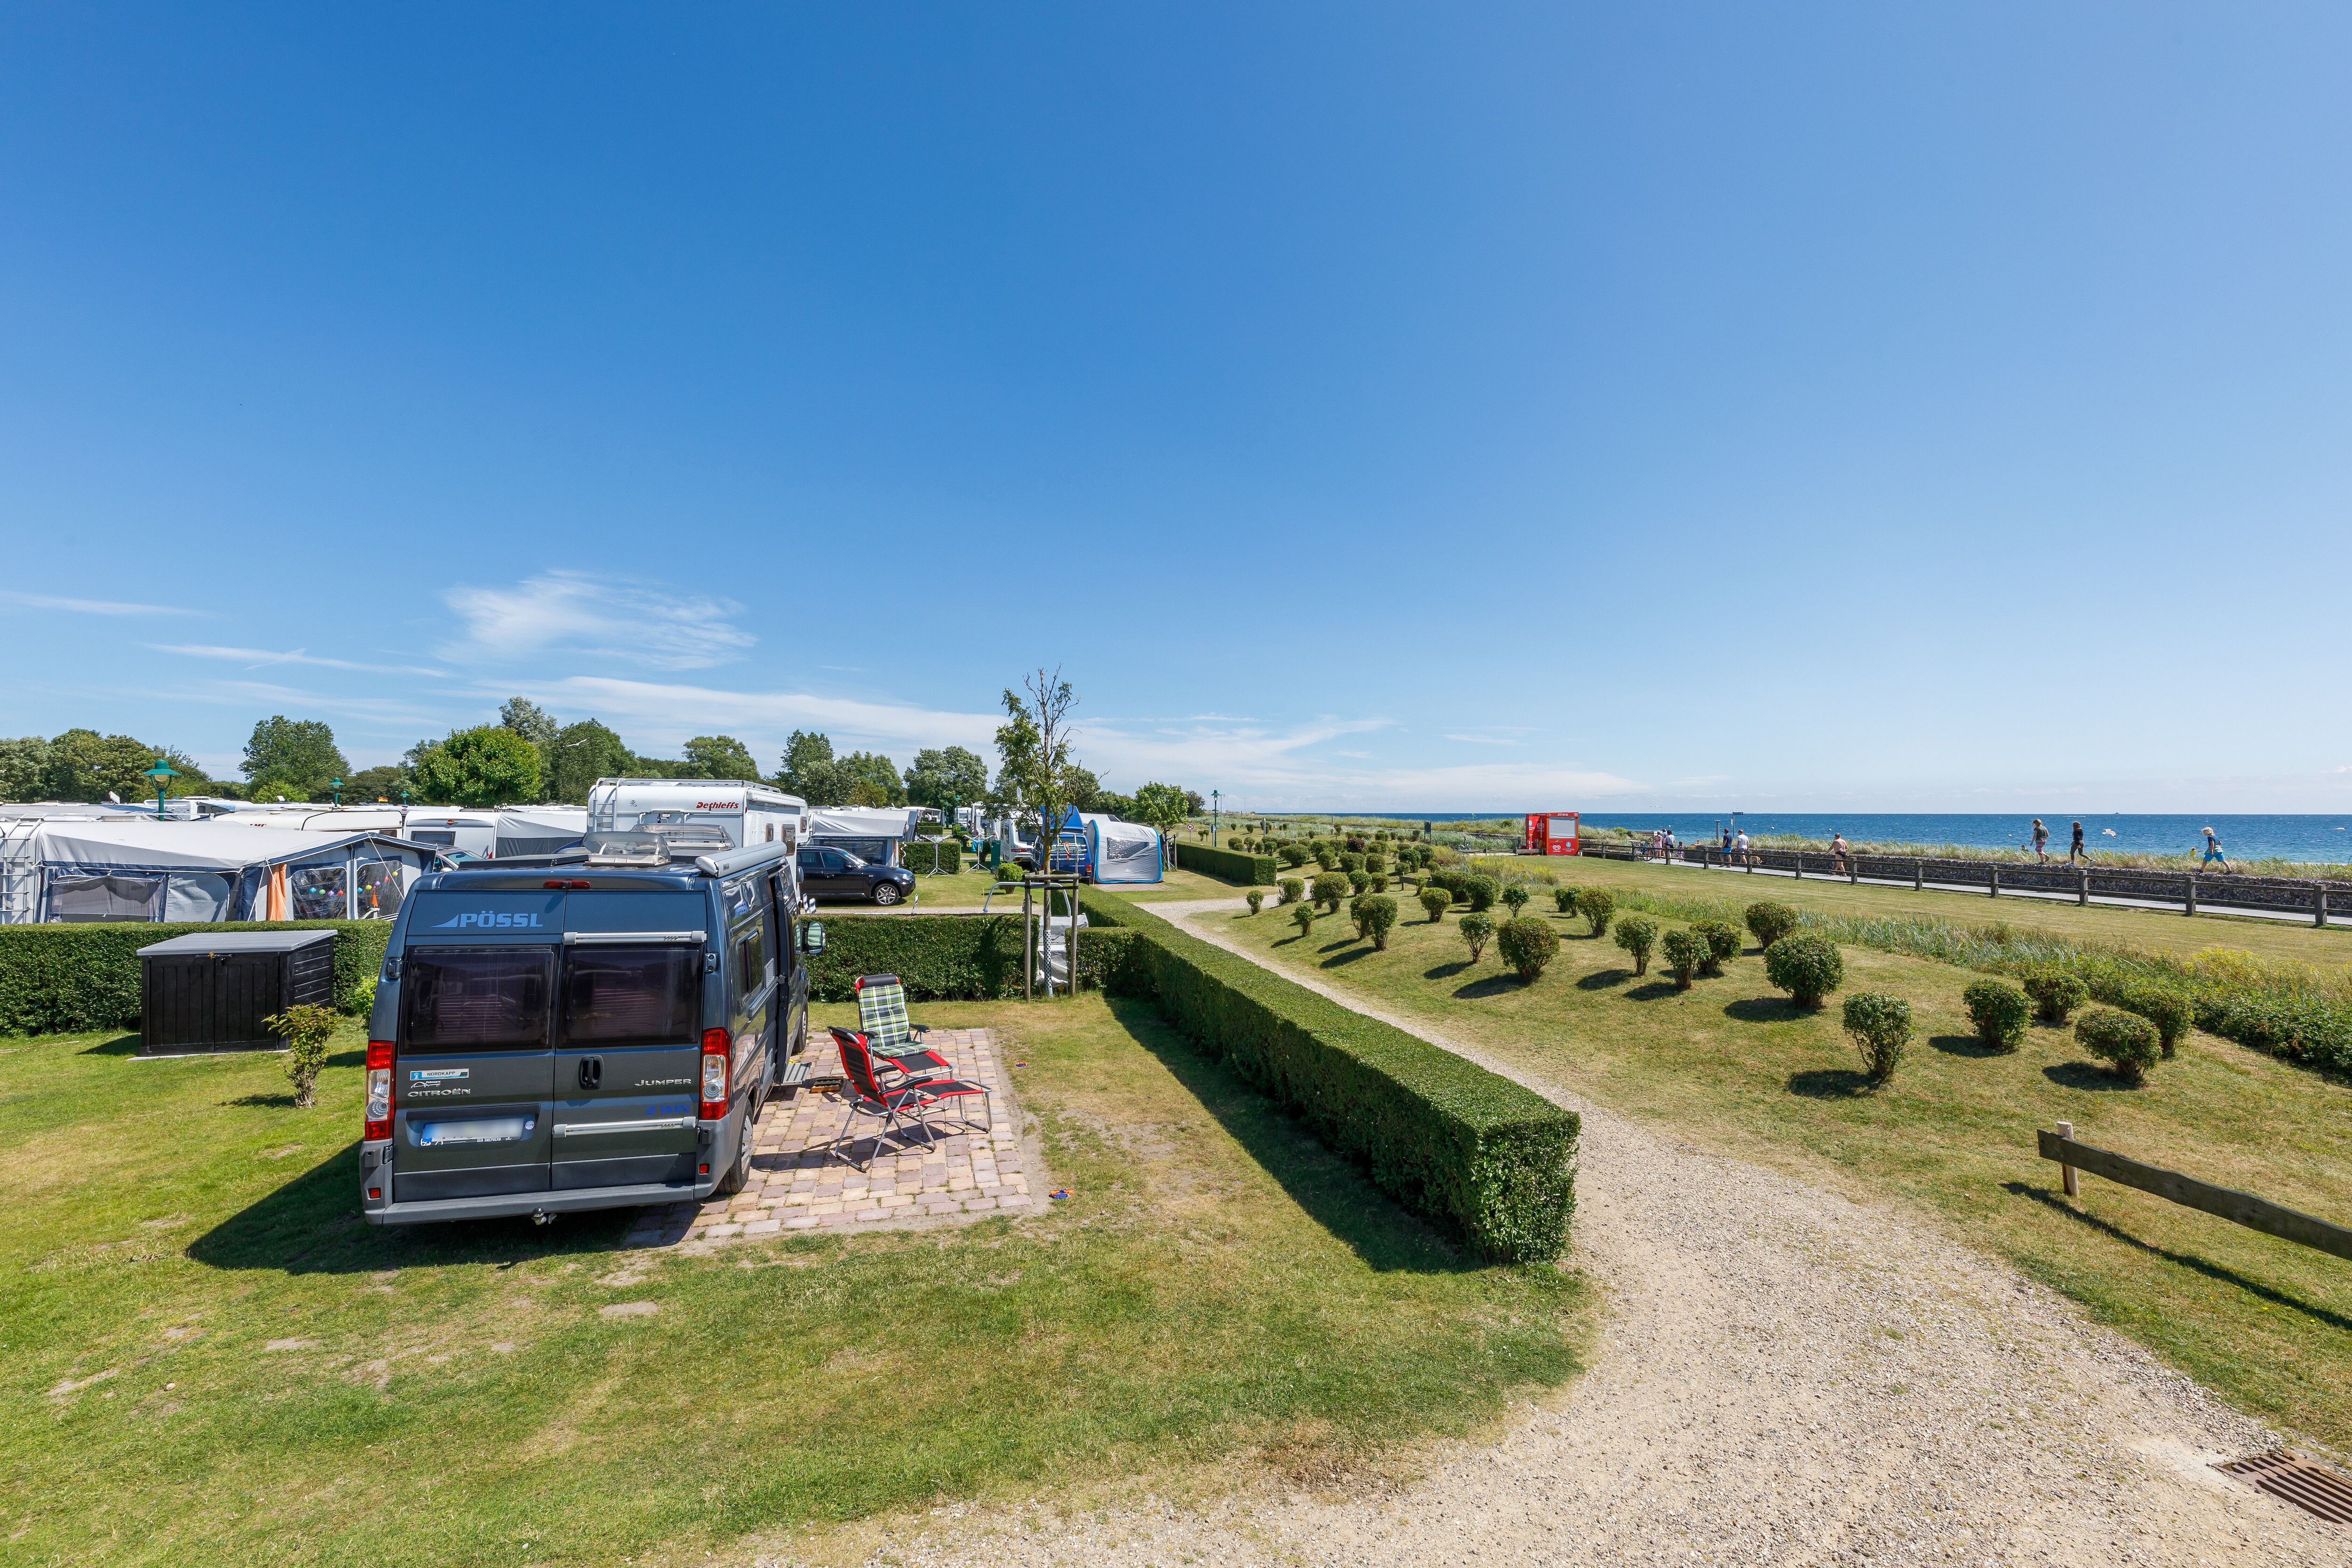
2287,837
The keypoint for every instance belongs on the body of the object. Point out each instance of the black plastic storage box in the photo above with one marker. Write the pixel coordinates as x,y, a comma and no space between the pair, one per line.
210,992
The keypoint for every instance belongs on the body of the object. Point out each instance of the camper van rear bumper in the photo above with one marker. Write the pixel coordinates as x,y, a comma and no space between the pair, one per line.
505,1205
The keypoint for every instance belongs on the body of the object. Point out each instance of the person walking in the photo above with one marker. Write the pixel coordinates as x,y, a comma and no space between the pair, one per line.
2213,853
2076,848
2040,842
1837,852
1746,851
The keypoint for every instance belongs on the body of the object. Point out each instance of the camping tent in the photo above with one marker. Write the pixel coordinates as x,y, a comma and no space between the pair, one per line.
1122,851
870,832
66,869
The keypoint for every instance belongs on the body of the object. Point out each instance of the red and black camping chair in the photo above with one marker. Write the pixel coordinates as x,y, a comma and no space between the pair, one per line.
900,1107
895,1039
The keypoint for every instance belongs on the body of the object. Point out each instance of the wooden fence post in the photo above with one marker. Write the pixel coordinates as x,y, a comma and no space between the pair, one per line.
1918,875
2318,903
1996,882
1801,864
2192,895
2083,891
2074,1186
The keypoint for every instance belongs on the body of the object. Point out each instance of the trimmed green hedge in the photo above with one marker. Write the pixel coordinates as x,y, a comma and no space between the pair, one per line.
1483,1156
944,958
915,855
1227,865
72,977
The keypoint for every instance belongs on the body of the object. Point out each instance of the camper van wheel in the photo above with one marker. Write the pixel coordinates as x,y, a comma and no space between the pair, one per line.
741,1170
886,892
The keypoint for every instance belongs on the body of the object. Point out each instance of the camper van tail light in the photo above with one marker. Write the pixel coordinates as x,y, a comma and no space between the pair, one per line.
717,1045
379,1090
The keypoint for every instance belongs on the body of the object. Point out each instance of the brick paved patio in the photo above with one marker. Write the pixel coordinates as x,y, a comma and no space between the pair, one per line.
795,1185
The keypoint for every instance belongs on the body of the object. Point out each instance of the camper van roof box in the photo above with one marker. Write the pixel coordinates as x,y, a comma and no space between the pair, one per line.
654,846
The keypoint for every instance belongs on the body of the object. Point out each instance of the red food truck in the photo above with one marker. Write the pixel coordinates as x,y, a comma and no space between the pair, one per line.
1549,833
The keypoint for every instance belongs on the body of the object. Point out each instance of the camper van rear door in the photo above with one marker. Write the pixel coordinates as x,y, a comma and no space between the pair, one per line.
475,1072
626,1061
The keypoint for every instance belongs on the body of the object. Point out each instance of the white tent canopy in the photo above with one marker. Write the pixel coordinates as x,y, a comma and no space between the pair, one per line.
1121,851
225,870
863,822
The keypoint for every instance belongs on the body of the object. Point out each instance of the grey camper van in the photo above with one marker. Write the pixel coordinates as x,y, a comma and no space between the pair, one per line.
588,1030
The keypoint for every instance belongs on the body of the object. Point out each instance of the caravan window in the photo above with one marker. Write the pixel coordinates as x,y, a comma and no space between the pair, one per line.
318,892
380,887
105,896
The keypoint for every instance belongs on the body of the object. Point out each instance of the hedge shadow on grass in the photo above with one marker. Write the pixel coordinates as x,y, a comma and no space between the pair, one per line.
2050,1199
1335,1195
2083,1075
1829,1083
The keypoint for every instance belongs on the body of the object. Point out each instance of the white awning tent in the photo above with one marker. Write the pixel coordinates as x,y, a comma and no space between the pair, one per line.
486,831
871,833
1121,851
69,870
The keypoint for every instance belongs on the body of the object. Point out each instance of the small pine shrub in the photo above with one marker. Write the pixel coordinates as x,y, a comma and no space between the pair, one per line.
1600,907
1302,917
1516,897
1379,883
1999,1011
1329,889
1376,863
1293,856
1475,928
1436,901
1290,890
1352,862
1257,897
1526,944
1808,967
1881,1027
1326,856
1375,917
1684,951
2167,1006
1482,891
2130,1043
1358,883
1563,898
1722,939
306,1027
2056,991
1637,934
1769,920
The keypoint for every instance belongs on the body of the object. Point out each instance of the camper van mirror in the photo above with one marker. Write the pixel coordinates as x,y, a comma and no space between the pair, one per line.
813,937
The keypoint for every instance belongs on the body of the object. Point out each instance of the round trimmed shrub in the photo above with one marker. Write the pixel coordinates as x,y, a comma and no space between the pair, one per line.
2167,1006
1352,862
1257,897
1289,890
1999,1011
1637,934
1375,915
1482,891
1684,950
1770,920
1526,944
1807,966
1302,917
1515,897
1379,883
1564,900
1358,883
1292,856
2056,991
1600,907
1722,939
1475,928
2130,1043
1436,901
1881,1027
1326,856
1376,863
1329,889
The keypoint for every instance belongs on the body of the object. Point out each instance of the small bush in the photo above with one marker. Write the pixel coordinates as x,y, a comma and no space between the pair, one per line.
1600,907
1293,856
2056,991
2167,1006
1808,967
1684,950
1330,889
1436,901
1302,917
2130,1043
1375,916
1326,856
1376,863
1637,934
1289,890
1352,862
1526,944
1515,897
1722,939
1358,883
1881,1027
1475,928
1482,891
1999,1010
1769,920
1563,898
1379,884
307,1028
1257,897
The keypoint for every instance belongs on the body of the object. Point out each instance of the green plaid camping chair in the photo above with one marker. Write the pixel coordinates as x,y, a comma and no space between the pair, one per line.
893,1040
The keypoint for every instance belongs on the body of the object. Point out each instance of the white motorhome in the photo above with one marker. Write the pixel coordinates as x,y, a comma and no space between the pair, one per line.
740,811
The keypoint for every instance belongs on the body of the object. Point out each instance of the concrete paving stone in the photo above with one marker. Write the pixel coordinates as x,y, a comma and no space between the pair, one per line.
763,1227
977,1205
715,1232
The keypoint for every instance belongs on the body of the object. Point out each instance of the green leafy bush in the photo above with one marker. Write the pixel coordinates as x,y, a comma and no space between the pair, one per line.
2056,991
1227,865
1327,856
1485,1158
1999,1011
1379,884
1290,890
1475,928
943,958
1375,917
1515,899
2130,1043
945,854
2167,1006
1293,856
1329,889
1685,951
1526,944
1257,897
1563,899
1352,862
1637,934
1358,883
1436,901
1302,917
1600,907
306,1027
1481,890
1881,1027
85,976
1769,920
1722,939
1807,966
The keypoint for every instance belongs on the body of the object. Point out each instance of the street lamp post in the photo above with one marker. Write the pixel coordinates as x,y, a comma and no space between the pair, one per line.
159,773
335,791
1216,798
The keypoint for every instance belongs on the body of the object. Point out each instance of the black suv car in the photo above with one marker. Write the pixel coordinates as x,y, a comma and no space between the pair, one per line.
830,873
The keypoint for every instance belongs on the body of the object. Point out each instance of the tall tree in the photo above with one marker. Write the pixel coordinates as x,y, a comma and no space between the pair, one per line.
1034,743
720,757
873,779
298,750
581,755
809,772
490,765
85,765
529,720
1160,806
382,782
940,779
23,768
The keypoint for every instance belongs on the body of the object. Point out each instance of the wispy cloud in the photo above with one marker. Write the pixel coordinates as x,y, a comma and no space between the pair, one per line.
257,659
569,612
671,712
89,607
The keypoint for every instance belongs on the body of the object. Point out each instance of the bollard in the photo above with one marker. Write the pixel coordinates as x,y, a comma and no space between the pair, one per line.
2192,895
2319,903
1853,869
2073,1187
1918,875
1996,882
1801,867
2082,891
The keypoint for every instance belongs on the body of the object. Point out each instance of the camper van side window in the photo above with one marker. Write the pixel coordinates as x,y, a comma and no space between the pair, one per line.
750,973
461,999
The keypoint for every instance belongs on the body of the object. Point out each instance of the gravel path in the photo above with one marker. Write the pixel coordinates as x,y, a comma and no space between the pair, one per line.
1783,1376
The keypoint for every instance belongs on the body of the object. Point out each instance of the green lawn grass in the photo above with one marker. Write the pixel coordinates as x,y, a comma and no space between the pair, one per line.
207,1356
966,889
1732,1064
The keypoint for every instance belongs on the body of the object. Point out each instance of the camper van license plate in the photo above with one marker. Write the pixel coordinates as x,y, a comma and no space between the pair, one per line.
477,1129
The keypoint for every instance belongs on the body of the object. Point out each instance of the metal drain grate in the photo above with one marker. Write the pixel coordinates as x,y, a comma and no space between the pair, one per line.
2313,1487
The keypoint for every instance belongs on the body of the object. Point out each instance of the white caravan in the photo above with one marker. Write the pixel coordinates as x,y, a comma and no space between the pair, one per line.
743,813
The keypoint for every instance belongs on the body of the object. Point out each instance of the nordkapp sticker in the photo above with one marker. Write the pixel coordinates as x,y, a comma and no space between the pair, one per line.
489,919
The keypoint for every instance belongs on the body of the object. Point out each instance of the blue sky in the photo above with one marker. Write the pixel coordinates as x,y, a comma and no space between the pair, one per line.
1855,407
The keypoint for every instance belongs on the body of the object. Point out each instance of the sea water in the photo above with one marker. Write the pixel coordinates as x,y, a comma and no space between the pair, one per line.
2296,838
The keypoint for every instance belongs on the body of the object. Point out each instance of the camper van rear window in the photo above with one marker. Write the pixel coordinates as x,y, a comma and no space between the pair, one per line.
476,999
631,995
